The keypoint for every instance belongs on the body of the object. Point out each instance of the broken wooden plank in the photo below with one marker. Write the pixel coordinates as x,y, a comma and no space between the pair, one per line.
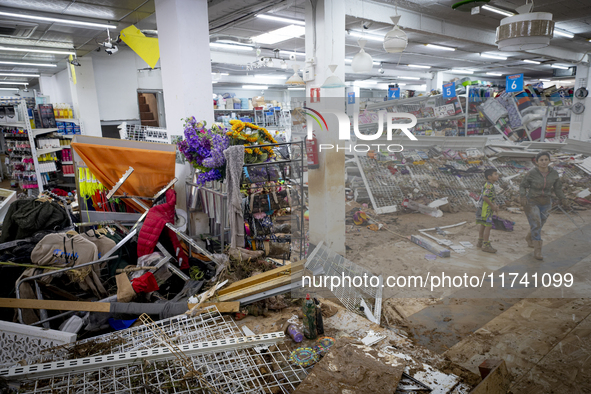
496,378
257,288
59,305
430,246
265,276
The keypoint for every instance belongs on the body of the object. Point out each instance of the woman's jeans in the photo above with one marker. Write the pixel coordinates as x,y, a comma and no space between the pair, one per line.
537,213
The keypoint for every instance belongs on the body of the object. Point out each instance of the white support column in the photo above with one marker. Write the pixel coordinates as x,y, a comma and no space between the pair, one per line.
85,99
183,36
327,183
436,82
580,125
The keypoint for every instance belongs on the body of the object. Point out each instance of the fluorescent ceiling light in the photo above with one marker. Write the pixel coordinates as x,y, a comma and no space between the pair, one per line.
401,84
292,53
530,61
59,21
440,47
9,88
367,36
281,19
564,33
19,75
214,81
230,46
15,49
456,71
28,64
220,74
13,83
278,35
375,63
296,88
496,74
418,66
415,78
271,76
255,87
544,80
497,10
493,56
558,66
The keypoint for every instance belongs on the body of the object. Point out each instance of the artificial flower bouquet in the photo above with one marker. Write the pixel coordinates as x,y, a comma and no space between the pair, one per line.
250,135
204,148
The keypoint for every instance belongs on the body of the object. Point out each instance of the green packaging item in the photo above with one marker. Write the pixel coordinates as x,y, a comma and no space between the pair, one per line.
309,311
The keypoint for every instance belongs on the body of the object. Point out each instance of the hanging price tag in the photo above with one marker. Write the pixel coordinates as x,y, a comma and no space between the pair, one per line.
449,90
514,83
393,93
351,98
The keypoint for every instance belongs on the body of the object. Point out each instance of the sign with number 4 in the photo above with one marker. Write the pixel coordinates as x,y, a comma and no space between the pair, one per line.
514,83
449,90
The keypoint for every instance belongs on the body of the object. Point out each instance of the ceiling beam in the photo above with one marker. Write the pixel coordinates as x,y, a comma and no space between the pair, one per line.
417,22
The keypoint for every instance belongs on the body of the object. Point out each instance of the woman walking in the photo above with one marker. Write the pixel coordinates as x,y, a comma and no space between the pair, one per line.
535,191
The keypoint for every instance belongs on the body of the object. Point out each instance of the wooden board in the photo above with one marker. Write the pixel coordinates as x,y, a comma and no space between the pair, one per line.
265,276
260,287
58,305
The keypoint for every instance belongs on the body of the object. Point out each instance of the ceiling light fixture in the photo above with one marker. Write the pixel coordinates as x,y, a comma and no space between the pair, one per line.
530,61
395,40
525,31
564,33
20,75
28,64
219,74
440,47
214,81
292,53
495,74
9,89
493,56
415,78
231,47
278,35
255,87
418,66
362,62
51,51
333,81
281,19
457,71
296,88
295,79
59,21
497,10
13,83
367,36
559,66
270,76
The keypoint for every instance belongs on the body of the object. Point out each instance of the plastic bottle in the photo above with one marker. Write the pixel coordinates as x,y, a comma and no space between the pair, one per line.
70,112
55,112
309,310
319,321
295,333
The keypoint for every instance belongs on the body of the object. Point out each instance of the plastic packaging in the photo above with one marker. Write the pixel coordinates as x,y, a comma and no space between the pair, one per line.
295,333
309,310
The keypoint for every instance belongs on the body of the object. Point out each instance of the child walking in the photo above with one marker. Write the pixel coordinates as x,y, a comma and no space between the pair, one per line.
486,207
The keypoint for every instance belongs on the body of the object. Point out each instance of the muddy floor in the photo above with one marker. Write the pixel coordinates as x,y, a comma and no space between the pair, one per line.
544,338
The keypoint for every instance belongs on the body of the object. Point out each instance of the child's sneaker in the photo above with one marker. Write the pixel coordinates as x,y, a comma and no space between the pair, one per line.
479,243
488,248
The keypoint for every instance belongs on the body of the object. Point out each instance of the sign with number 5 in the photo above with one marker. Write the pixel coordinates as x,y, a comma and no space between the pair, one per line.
449,90
514,83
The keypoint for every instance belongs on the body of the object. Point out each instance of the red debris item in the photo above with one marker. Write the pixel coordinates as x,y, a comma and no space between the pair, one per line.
582,201
393,170
240,315
60,192
145,283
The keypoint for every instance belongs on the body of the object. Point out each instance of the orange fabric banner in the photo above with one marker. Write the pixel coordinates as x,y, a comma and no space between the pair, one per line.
152,169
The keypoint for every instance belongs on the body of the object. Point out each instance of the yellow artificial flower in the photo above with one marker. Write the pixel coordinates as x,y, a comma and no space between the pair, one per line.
249,151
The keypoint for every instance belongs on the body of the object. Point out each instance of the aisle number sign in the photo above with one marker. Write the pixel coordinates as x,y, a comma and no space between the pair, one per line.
449,90
514,83
393,93
351,98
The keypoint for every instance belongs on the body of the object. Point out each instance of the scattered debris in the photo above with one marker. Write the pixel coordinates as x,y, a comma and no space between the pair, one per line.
430,246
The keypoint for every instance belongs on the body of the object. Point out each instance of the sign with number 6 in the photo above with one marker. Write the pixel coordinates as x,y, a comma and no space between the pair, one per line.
514,83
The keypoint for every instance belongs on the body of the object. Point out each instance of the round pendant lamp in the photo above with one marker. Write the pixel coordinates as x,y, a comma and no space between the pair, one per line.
362,62
524,32
395,40
295,79
332,82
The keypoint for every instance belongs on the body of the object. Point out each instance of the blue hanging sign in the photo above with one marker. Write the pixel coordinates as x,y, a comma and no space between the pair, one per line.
449,90
393,92
351,98
514,83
